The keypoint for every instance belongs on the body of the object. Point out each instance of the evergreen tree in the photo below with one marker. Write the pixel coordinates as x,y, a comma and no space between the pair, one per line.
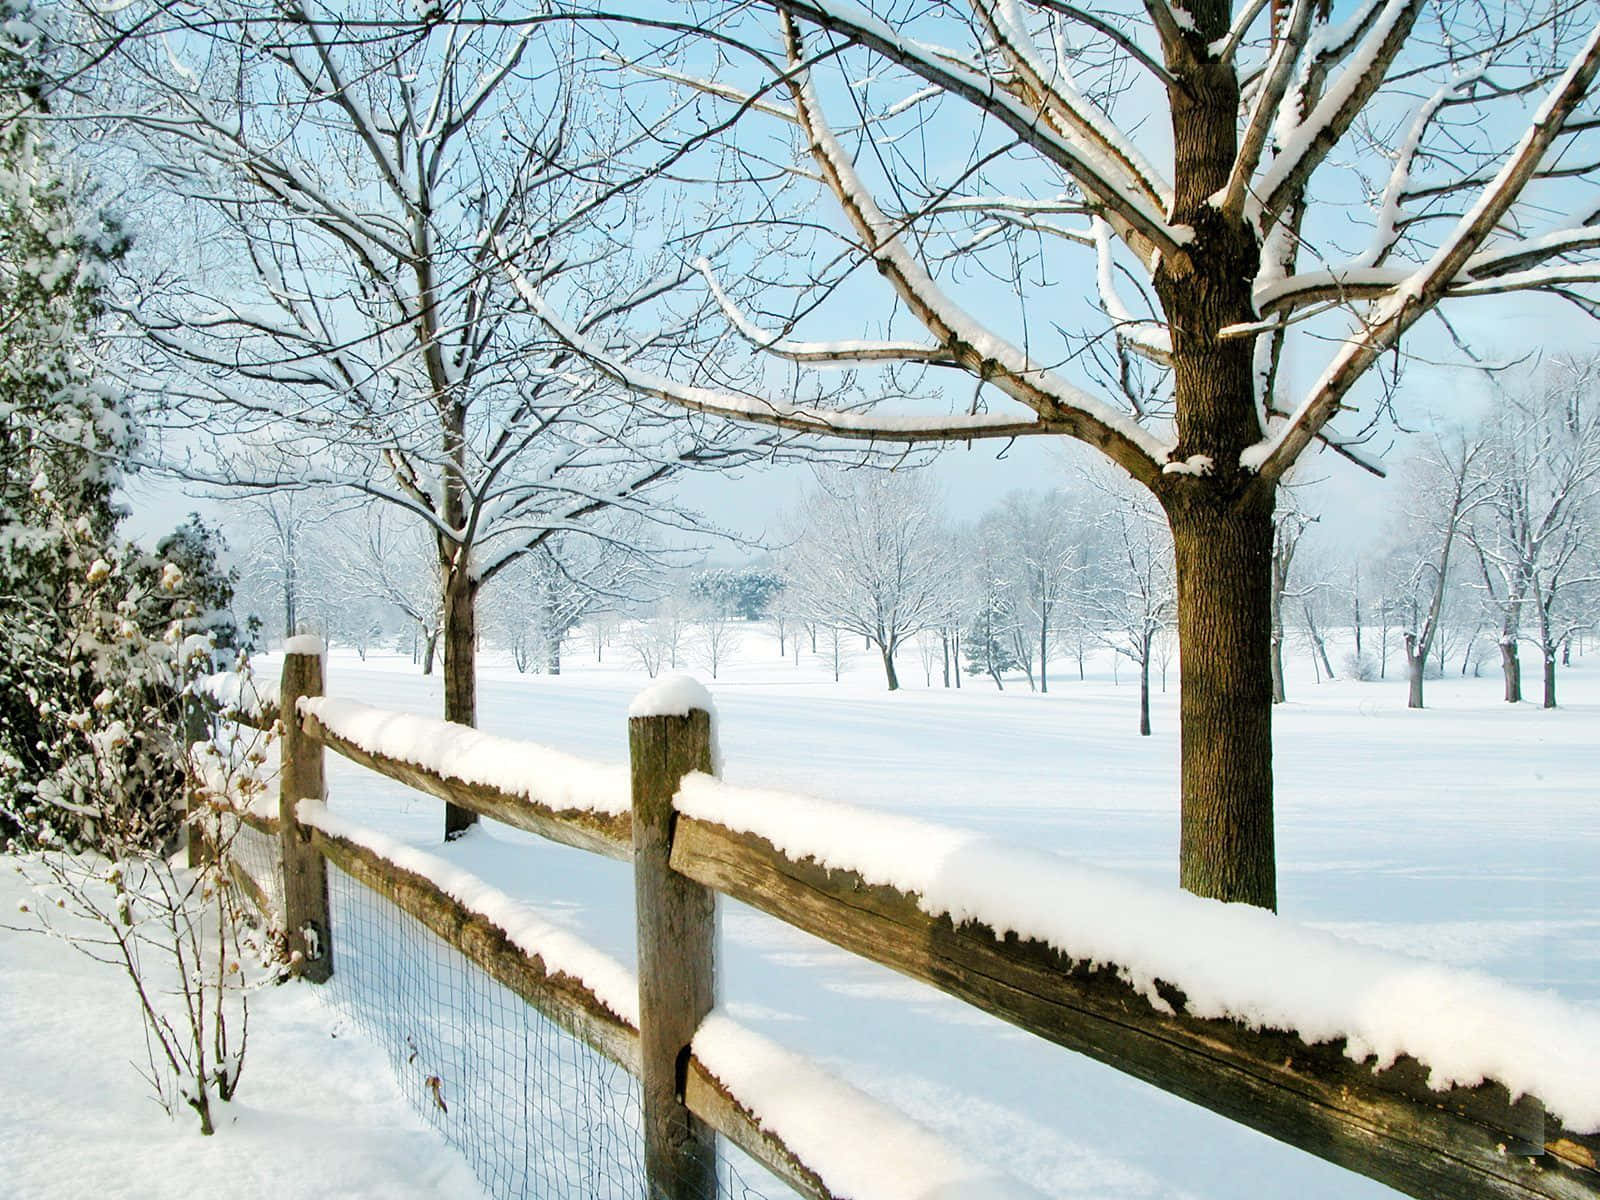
988,648
96,638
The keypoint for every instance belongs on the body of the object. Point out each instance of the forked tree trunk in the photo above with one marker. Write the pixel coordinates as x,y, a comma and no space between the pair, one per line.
1318,642
1511,668
460,672
1221,519
1223,550
430,649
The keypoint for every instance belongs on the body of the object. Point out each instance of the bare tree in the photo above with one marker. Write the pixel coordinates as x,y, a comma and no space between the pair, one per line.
1200,169
716,635
364,188
1536,530
1445,489
380,555
865,556
1290,526
1133,596
279,530
1041,538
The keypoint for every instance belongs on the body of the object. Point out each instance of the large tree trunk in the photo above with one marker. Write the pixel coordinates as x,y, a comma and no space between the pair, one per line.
1223,549
1511,668
888,668
460,671
1221,518
1549,675
1416,661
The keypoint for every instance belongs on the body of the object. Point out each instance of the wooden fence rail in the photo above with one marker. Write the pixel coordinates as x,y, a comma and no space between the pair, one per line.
1386,1124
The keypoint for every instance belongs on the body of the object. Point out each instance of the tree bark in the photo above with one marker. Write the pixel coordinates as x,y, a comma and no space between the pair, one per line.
1549,676
1416,661
888,668
460,671
430,647
1044,653
1511,669
1223,550
1144,689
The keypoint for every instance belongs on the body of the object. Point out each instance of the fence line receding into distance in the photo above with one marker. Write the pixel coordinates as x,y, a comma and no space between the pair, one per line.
1380,1120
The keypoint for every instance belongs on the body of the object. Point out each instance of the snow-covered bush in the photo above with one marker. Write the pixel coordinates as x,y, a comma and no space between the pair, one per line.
180,937
97,637
1361,666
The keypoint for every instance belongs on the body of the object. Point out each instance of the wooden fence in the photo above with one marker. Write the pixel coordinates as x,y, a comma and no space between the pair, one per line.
1386,1123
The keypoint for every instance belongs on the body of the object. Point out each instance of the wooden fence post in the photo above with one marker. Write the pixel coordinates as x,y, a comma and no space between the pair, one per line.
305,875
677,927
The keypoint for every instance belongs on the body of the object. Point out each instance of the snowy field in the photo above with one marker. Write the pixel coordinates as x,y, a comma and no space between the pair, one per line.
1468,833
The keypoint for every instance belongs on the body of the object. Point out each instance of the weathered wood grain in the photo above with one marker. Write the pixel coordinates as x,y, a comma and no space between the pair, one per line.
598,833
566,1001
677,938
709,1099
1384,1124
307,934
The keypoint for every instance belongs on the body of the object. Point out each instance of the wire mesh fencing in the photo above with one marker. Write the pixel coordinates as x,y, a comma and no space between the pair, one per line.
537,1113
256,854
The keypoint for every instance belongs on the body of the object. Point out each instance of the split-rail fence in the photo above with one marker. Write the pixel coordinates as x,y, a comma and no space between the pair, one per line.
1385,1123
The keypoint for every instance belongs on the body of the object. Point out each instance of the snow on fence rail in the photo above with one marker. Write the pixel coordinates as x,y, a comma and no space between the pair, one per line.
1435,1081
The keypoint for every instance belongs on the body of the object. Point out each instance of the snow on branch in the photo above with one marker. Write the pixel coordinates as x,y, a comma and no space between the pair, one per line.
1108,181
1230,961
1060,405
1431,282
1149,338
841,354
1050,90
741,407
1310,142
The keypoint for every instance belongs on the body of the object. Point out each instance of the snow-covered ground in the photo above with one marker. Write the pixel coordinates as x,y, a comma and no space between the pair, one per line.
1468,833
318,1114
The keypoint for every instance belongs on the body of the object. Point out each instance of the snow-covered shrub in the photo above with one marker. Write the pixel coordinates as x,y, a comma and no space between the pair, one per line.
97,637
179,936
1361,666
